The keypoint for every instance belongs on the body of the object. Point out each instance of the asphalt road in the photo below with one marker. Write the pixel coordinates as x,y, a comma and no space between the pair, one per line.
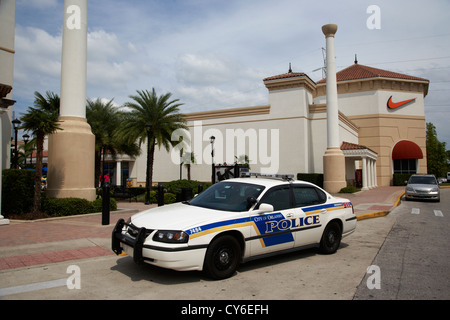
414,261
409,250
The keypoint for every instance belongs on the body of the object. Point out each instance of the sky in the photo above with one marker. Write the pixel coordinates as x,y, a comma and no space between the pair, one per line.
214,54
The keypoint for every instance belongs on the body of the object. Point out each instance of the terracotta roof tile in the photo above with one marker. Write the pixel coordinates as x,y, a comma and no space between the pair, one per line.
286,75
353,146
358,71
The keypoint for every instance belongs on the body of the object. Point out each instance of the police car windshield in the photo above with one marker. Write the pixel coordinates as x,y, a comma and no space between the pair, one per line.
227,196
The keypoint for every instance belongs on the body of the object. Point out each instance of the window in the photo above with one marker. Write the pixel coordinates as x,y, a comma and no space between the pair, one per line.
279,197
308,196
227,196
405,165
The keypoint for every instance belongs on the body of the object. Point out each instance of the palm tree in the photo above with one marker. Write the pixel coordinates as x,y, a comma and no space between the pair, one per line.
104,120
152,118
189,157
41,120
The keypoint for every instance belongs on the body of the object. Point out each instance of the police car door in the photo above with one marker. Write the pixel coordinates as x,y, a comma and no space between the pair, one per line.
273,228
308,225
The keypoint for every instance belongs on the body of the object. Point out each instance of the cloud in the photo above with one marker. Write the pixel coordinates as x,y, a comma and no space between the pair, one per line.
38,3
214,54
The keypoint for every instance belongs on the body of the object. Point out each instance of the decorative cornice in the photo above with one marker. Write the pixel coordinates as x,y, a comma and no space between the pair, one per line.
372,84
296,80
228,113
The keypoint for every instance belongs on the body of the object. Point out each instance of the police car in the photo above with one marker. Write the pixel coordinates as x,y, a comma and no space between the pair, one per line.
234,221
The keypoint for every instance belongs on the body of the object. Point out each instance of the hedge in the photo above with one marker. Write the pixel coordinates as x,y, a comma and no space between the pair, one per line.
400,178
17,191
176,186
61,207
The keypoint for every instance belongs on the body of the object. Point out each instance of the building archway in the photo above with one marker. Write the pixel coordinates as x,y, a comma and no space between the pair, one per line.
405,157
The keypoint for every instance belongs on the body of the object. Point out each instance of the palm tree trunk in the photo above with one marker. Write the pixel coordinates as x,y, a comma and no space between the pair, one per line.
149,174
38,175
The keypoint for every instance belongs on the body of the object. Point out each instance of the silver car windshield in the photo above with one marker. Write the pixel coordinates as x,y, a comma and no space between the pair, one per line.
422,180
228,196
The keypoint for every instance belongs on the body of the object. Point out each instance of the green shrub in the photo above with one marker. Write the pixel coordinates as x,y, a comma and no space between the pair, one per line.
349,189
400,178
176,186
169,198
316,178
17,191
61,207
98,205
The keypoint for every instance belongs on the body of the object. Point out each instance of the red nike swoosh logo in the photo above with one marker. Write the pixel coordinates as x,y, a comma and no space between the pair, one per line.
393,105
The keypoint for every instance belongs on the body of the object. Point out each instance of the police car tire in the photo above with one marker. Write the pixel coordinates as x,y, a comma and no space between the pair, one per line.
222,257
331,238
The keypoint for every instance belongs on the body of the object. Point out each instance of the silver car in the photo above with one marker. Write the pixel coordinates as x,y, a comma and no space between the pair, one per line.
423,186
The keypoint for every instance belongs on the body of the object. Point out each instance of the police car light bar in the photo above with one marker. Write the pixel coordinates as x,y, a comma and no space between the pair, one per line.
268,175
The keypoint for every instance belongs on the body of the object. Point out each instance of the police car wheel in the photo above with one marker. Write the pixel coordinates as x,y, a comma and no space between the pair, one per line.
222,257
331,238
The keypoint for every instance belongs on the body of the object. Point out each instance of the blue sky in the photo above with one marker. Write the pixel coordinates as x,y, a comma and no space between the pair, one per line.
213,54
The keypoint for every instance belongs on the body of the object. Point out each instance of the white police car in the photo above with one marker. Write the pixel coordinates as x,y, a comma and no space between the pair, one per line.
235,221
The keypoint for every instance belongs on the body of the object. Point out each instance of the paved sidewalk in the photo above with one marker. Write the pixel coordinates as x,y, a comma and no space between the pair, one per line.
40,242
374,202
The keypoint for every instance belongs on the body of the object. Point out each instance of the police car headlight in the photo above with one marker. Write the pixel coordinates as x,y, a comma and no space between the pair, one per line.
169,236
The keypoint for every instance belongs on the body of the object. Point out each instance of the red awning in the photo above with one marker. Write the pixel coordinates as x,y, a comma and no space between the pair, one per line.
407,150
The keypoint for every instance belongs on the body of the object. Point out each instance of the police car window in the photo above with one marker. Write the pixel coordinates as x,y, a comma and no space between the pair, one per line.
308,196
278,197
227,196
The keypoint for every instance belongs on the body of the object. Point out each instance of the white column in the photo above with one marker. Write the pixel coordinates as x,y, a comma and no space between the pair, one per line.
74,61
331,94
71,150
333,159
119,172
371,184
375,173
364,174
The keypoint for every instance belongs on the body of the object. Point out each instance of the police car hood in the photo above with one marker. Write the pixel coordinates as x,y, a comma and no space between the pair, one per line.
177,216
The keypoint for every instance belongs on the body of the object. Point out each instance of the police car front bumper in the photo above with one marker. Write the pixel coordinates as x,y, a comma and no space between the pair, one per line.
179,257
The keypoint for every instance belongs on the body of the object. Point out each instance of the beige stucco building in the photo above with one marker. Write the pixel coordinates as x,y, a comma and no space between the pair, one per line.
381,130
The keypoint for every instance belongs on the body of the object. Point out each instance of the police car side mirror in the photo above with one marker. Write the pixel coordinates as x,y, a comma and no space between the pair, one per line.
265,207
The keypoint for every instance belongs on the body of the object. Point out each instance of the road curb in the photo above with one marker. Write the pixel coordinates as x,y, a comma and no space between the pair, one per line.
383,213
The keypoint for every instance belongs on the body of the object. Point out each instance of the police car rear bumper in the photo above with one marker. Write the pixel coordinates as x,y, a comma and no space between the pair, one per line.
182,258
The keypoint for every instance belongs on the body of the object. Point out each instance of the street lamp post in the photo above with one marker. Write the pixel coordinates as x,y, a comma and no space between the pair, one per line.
213,175
16,122
26,138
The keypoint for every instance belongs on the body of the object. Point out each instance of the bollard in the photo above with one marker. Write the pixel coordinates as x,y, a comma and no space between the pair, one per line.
200,188
160,194
105,205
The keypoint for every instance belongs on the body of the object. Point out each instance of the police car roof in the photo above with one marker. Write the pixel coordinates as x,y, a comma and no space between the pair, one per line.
268,182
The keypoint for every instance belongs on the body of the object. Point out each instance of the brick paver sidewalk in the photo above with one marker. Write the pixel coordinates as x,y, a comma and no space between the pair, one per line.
20,234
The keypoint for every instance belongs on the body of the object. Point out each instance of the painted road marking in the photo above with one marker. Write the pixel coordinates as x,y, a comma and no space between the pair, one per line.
415,210
33,287
438,213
